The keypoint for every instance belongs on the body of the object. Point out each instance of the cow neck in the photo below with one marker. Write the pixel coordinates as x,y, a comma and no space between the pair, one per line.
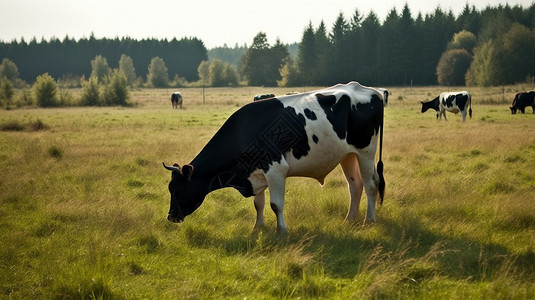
216,176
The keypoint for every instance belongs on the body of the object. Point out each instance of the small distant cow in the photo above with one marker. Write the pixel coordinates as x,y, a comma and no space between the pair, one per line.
454,102
522,100
176,99
263,96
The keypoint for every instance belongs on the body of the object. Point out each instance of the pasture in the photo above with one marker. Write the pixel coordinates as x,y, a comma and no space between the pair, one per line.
84,201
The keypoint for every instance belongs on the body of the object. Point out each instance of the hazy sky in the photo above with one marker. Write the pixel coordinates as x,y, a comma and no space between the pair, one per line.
215,22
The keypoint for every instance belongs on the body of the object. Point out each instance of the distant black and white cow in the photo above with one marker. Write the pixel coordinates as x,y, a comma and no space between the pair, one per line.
263,96
176,99
454,102
306,135
522,100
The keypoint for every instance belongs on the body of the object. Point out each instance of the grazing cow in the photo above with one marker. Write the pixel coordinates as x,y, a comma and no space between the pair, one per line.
176,99
453,102
306,135
522,100
263,96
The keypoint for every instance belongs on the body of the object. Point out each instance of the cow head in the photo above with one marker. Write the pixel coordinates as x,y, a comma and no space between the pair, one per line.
513,109
433,104
424,107
185,197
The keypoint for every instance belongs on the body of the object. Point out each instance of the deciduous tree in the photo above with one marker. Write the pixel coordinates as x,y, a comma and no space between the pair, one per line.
45,91
100,68
126,65
158,75
452,67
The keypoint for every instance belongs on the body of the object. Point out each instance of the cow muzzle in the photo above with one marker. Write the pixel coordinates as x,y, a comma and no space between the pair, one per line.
175,218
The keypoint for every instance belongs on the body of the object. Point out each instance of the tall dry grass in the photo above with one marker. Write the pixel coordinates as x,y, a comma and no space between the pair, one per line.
83,206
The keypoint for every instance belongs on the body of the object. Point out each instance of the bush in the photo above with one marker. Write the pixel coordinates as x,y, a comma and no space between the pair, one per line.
66,98
24,98
116,90
6,91
45,90
90,92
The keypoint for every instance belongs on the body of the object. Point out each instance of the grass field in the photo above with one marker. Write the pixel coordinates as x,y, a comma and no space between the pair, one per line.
84,200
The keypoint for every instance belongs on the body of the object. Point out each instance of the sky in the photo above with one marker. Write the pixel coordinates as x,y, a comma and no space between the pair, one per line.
215,22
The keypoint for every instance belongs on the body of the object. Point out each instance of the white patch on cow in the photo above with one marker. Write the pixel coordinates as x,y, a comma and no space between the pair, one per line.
323,156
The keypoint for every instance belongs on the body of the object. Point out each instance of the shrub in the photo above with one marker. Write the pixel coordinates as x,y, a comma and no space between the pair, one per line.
55,152
90,92
17,126
116,91
45,90
66,98
6,91
12,126
24,98
38,125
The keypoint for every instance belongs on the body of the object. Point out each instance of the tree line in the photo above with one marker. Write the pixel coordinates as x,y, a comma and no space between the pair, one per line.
70,57
488,47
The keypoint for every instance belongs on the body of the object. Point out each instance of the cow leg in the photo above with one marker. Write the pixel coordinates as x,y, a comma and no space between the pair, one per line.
276,181
350,166
276,200
370,178
463,115
259,204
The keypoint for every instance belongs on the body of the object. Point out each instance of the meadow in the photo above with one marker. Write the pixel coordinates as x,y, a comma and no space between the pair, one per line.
84,201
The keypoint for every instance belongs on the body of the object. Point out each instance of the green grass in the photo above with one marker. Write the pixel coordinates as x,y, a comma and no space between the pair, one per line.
83,205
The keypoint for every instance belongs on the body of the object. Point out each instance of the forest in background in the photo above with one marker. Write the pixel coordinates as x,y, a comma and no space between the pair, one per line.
488,47
70,57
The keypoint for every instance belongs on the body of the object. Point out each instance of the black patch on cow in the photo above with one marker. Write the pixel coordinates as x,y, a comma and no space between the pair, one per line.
336,111
285,133
315,138
228,179
461,100
448,102
310,114
357,124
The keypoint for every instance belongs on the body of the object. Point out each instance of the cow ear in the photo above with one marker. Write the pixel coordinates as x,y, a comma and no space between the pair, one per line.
187,171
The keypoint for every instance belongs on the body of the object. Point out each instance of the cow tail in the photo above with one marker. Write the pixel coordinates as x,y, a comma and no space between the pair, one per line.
470,110
380,163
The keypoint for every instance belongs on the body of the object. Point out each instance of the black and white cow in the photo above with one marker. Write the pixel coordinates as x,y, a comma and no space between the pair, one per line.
307,135
454,102
522,100
176,99
263,96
